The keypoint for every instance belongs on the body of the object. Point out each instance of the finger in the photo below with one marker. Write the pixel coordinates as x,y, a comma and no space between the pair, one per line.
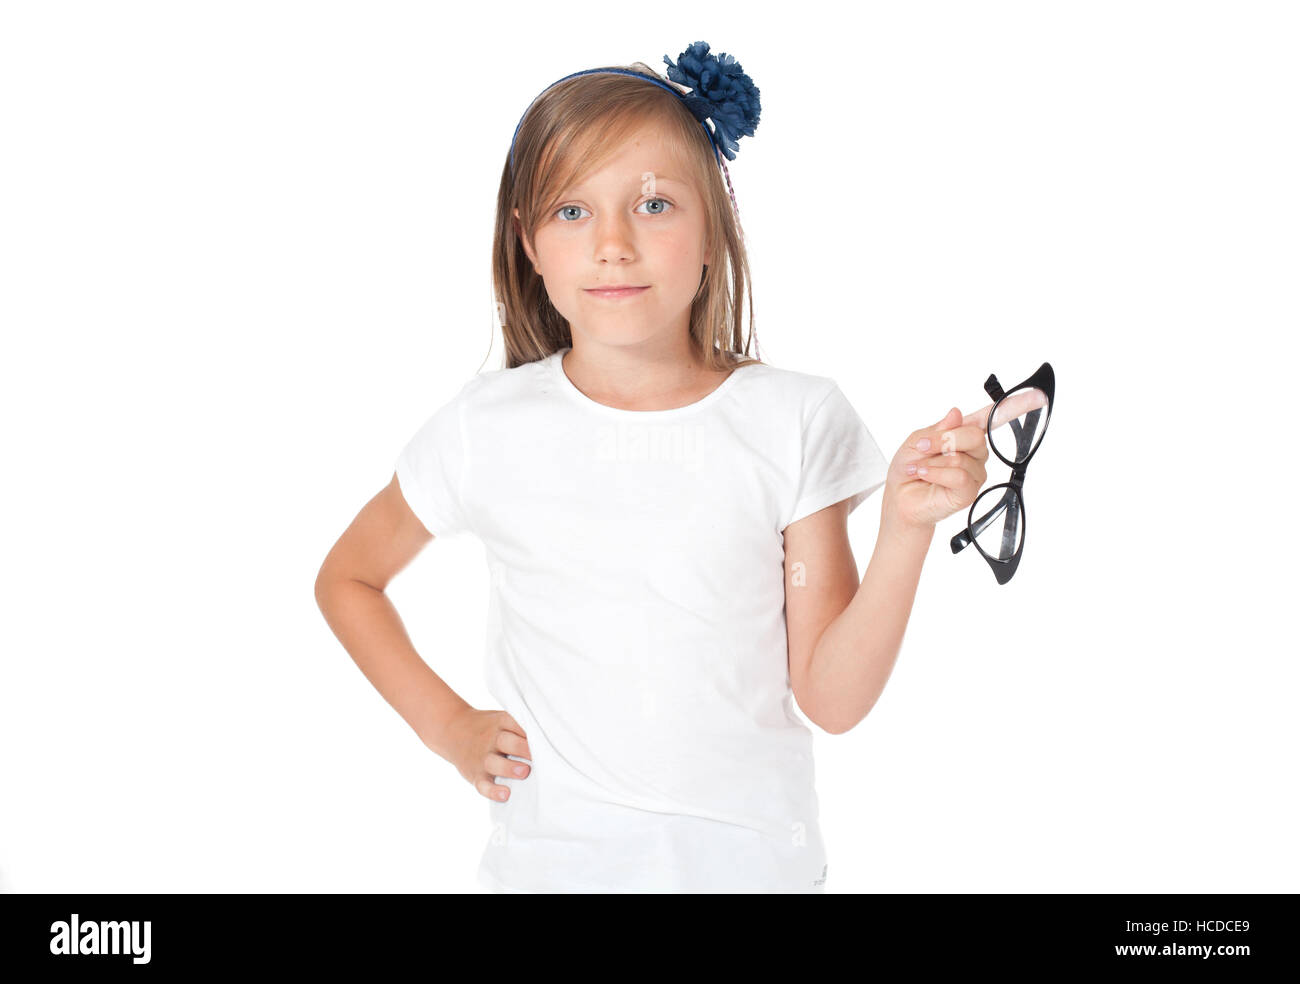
510,724
979,418
925,438
493,790
510,743
1018,404
950,419
964,460
949,476
968,439
908,468
498,765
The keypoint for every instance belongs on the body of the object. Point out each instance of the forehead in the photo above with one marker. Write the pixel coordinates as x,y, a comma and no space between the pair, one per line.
642,152
627,177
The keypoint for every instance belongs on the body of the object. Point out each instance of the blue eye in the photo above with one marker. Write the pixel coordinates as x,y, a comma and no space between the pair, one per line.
560,212
662,201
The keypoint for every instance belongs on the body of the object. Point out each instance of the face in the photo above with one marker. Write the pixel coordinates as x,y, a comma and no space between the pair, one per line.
637,221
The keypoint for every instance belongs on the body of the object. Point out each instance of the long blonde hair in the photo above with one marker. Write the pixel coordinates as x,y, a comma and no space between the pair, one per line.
555,147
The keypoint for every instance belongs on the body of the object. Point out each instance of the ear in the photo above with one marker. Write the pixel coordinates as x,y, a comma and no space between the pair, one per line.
528,248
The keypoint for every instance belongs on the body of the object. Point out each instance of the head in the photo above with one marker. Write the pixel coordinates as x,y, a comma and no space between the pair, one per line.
616,182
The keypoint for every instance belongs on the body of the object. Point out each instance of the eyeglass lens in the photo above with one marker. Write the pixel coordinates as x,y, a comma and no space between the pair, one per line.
1018,423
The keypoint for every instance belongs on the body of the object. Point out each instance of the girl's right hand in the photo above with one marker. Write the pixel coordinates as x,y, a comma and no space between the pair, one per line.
482,740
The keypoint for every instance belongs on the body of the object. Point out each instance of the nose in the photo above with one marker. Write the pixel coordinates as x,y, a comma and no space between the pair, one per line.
613,239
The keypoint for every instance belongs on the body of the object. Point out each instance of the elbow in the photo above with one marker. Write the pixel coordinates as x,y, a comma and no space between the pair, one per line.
842,726
827,723
324,581
332,582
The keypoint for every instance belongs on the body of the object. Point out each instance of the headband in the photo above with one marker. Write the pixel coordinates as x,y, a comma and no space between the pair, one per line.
720,92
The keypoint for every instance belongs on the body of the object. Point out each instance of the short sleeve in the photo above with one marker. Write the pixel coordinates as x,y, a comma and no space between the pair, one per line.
431,470
841,459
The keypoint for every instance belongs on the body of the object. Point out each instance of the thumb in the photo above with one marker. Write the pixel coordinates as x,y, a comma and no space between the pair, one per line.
947,420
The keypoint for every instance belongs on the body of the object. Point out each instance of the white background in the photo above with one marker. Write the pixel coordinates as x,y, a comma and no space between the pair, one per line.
244,253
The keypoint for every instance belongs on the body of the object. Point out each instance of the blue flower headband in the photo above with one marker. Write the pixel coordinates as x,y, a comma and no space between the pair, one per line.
720,91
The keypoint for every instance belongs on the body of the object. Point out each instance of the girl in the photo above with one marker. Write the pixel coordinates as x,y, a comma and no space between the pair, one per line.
664,520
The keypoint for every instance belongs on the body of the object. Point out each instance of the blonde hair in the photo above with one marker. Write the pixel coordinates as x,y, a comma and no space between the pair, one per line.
554,148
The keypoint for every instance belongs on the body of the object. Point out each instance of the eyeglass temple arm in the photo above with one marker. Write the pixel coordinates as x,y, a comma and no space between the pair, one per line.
1024,438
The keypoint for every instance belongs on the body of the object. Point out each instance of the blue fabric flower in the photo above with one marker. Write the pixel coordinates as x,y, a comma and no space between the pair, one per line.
721,91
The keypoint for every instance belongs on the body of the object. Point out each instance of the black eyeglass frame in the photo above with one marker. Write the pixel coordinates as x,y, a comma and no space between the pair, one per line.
1043,379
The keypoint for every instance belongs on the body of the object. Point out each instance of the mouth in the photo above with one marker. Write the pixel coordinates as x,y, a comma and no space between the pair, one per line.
623,290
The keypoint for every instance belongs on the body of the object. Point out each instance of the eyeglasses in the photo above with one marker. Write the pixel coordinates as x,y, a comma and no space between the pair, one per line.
1001,541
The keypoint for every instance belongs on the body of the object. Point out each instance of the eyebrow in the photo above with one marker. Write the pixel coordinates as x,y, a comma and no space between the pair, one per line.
659,179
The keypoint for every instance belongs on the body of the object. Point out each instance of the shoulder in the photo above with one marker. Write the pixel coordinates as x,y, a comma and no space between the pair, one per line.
505,386
787,392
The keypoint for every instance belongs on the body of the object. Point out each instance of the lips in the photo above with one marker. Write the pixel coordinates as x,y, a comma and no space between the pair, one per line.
625,291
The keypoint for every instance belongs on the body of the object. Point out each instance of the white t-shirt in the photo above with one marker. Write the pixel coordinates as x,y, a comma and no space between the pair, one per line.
636,625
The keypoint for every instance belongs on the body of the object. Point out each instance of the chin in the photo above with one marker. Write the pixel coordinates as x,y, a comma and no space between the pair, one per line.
614,332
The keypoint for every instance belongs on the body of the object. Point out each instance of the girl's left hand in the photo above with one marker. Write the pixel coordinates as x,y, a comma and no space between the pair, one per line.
952,454
938,471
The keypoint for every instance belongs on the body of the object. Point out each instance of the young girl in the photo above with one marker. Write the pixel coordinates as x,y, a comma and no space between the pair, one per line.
664,520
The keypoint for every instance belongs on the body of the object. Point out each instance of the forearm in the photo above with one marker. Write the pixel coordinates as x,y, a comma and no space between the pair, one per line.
856,653
370,629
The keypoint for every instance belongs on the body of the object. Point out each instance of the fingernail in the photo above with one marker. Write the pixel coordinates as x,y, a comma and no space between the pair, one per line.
520,770
923,444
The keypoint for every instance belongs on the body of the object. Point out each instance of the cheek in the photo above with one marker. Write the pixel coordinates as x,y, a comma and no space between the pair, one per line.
555,253
682,251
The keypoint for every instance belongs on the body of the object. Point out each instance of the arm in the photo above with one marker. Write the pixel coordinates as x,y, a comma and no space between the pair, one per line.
844,637
383,538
